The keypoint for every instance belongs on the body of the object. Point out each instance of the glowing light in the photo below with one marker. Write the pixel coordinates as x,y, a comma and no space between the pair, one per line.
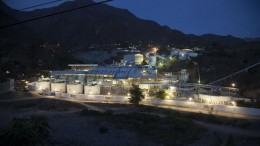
233,85
208,100
108,93
234,103
190,99
128,94
155,49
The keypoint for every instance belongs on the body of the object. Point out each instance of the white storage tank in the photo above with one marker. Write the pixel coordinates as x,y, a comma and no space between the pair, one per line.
134,58
42,85
92,90
58,87
75,89
139,58
152,60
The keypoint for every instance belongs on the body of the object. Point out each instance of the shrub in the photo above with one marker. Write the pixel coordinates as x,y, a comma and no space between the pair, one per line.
26,131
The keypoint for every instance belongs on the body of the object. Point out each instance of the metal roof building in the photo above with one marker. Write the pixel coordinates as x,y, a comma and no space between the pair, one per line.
113,72
124,72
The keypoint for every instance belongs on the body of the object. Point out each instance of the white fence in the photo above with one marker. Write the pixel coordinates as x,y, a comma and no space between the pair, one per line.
217,108
125,99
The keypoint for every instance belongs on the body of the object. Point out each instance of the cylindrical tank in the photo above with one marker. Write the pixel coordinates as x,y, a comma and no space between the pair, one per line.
152,60
75,89
138,58
134,58
58,87
42,85
92,90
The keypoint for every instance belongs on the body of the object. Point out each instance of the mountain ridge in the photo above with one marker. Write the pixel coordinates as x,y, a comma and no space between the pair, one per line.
104,24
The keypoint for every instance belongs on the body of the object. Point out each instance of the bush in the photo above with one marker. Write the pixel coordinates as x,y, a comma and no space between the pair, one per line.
26,131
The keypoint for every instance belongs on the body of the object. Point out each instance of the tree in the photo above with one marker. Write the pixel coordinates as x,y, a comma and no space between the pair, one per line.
161,94
157,93
136,95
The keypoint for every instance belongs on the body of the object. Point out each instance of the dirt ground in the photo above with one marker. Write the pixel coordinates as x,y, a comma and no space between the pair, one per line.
69,127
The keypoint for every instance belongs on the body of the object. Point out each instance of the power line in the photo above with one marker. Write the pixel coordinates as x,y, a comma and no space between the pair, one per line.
30,7
26,8
53,14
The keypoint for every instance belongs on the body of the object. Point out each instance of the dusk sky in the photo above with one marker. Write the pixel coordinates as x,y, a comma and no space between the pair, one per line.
240,18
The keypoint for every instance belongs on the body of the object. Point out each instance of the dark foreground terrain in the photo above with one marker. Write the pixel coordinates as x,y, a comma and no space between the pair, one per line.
73,124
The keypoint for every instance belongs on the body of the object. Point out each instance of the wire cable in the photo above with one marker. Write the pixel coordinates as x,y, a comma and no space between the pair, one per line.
53,14
47,3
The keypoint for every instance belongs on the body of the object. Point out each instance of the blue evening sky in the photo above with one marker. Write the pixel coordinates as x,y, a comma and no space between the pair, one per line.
240,18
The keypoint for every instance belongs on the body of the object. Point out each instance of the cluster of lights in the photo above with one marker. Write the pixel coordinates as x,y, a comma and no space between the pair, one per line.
155,49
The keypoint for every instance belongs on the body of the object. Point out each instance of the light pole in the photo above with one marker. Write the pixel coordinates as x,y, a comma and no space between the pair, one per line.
199,74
